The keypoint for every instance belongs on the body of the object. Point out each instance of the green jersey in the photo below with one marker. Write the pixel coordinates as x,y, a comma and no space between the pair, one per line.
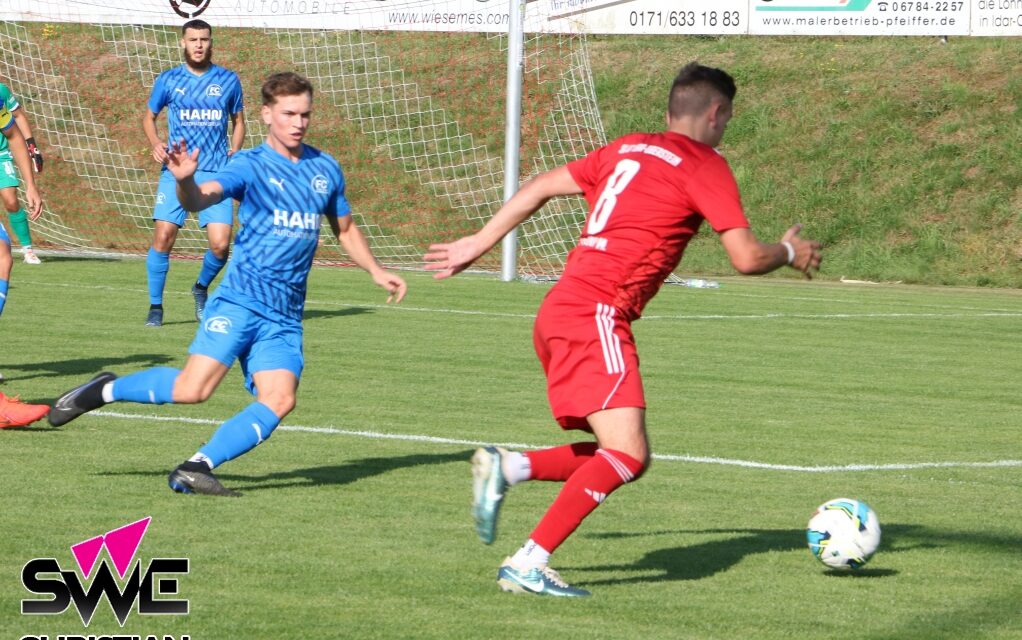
10,103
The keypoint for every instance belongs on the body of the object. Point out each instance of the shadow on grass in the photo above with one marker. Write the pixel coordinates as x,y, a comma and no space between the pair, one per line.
315,314
84,366
318,476
704,559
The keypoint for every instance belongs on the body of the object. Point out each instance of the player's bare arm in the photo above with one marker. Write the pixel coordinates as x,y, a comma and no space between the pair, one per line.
237,132
21,119
193,196
357,248
159,147
750,256
449,258
17,147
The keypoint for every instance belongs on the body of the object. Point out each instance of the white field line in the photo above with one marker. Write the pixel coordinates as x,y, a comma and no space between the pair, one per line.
749,464
953,312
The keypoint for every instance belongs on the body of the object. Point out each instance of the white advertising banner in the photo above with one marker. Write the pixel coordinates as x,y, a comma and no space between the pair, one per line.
860,17
713,17
996,17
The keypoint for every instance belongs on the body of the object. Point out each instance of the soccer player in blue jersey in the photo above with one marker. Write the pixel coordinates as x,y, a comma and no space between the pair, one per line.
201,98
285,188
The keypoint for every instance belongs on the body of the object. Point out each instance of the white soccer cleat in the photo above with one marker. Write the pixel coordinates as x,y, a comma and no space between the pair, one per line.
30,257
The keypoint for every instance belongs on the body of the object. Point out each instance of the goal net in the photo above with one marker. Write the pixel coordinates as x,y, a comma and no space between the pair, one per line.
416,117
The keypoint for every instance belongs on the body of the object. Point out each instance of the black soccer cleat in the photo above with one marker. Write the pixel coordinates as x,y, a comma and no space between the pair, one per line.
81,399
196,477
155,317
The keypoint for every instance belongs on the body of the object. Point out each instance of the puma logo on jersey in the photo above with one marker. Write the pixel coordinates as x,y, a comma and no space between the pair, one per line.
179,90
277,182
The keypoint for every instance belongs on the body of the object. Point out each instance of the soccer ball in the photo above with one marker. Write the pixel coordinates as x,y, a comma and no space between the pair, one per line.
843,533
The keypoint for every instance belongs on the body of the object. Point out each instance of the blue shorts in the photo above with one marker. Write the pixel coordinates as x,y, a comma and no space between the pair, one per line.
231,332
169,209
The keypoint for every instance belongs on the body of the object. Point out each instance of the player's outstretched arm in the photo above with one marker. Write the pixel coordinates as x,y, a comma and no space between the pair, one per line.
449,258
750,256
18,148
357,247
183,164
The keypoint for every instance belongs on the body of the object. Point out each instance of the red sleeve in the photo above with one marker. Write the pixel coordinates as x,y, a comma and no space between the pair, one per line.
714,193
586,171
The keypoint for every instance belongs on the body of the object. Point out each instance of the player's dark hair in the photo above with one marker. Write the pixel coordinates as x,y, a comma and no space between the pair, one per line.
198,25
285,83
694,88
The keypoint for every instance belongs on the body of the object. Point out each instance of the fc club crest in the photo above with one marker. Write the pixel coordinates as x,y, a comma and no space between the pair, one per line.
189,8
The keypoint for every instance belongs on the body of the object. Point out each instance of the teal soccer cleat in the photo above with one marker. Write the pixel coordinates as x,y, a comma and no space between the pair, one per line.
488,490
542,581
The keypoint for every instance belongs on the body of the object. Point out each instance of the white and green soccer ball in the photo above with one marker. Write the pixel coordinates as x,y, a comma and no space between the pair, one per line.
843,533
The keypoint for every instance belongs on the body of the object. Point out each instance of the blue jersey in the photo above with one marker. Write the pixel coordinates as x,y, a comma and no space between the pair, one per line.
282,206
199,109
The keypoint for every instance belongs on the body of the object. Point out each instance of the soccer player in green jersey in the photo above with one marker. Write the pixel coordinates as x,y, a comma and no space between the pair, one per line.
34,203
9,179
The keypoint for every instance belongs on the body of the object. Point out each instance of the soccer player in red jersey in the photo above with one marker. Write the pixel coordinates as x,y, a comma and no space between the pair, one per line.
648,194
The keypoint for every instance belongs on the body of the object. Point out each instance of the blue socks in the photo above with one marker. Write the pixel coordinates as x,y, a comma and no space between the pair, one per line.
241,433
157,264
211,265
152,386
3,295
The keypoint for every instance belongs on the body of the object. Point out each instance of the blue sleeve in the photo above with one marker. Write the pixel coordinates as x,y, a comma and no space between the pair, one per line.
339,205
237,97
158,96
233,178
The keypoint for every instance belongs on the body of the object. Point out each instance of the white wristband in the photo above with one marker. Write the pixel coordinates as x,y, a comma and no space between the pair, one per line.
791,251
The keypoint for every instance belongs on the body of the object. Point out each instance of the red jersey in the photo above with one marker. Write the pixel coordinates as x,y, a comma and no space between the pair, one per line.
648,194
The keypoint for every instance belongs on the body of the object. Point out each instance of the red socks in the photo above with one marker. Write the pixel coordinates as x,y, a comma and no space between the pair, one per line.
559,463
595,476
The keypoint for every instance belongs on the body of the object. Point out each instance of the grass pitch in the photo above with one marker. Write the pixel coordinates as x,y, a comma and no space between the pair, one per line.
766,398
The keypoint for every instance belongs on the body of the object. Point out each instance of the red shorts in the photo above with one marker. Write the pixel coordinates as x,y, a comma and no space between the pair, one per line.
589,358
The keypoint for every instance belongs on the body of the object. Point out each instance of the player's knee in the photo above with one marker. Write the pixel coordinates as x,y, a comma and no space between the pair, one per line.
279,403
163,239
220,249
11,201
